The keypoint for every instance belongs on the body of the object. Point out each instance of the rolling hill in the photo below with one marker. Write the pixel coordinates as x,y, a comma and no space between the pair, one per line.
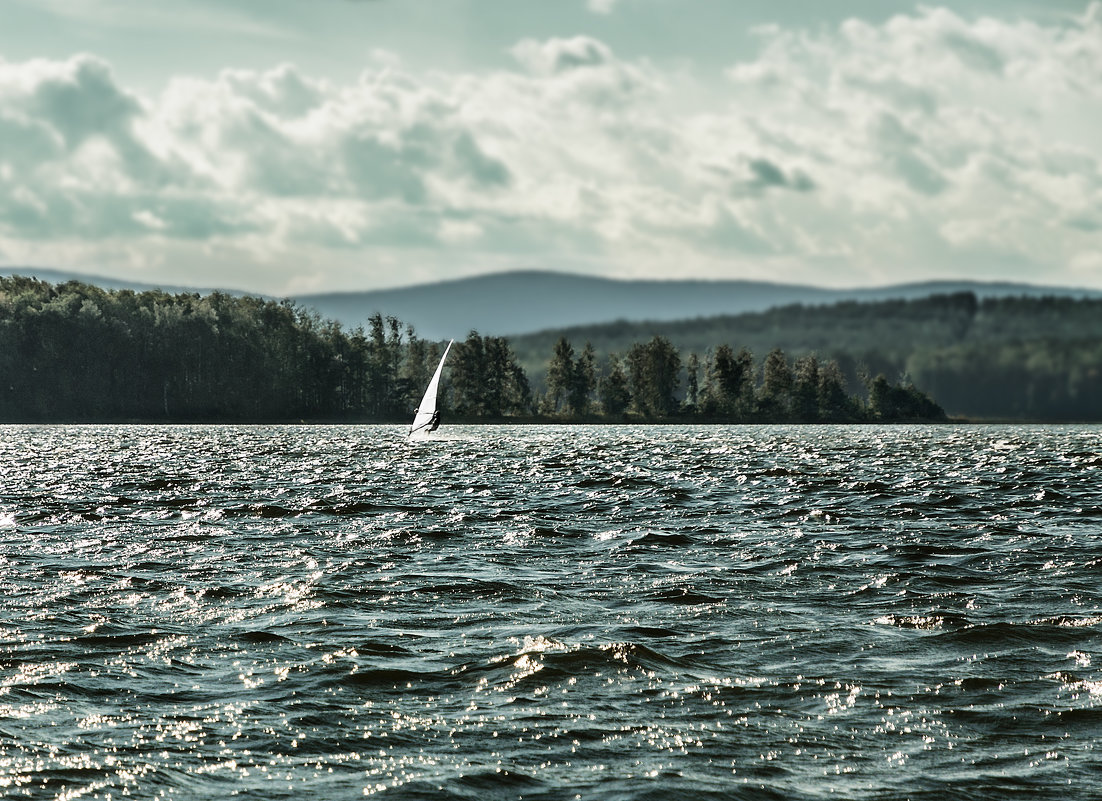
517,303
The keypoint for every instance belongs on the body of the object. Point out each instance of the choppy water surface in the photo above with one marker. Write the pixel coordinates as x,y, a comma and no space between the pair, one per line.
602,613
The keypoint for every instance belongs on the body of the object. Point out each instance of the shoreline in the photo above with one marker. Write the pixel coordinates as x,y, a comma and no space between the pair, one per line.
536,421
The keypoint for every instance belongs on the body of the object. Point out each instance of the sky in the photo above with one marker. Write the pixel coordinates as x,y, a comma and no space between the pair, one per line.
296,146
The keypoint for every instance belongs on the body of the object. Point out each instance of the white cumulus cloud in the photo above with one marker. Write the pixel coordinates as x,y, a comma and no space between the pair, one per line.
931,144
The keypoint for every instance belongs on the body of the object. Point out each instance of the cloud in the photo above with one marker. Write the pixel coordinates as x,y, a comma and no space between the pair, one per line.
767,175
27,140
484,171
940,131
80,99
282,91
929,139
199,17
561,55
974,53
601,6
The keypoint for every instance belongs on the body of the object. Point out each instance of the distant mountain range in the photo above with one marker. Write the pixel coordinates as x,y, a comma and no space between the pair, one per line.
524,302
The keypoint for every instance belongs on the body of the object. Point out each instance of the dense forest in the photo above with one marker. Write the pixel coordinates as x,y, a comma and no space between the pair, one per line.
646,382
1016,358
75,352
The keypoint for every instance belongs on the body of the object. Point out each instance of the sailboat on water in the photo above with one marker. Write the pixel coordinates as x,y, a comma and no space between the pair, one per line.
427,418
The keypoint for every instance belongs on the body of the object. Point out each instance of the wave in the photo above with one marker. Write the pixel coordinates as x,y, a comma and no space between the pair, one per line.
261,637
725,612
662,539
925,622
683,596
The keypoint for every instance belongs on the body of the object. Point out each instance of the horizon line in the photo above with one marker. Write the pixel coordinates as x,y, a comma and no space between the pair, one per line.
92,278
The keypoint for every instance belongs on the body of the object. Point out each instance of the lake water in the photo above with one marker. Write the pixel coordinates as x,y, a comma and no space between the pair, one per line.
551,612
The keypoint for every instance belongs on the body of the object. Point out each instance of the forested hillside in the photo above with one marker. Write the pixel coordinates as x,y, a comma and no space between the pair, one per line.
76,352
1005,358
527,302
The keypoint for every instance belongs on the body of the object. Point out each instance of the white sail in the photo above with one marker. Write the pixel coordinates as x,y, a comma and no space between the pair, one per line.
426,419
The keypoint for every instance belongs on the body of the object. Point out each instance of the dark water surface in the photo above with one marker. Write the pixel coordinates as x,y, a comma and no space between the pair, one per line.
546,613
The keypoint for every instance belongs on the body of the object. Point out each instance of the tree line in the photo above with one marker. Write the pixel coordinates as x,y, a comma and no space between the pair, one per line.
650,382
76,352
1022,358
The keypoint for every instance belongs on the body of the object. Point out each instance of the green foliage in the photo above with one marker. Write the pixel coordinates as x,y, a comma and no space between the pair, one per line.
486,380
900,402
729,384
808,391
775,400
612,389
76,352
571,381
1035,380
560,374
584,381
805,388
1005,358
692,384
653,371
835,406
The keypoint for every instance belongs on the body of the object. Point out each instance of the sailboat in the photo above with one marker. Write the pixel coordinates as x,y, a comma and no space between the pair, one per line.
428,416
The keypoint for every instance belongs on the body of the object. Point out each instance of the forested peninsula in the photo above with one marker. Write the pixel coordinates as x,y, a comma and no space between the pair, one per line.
78,353
993,358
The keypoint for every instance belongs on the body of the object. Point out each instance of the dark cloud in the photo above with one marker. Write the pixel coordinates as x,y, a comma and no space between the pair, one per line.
580,53
379,170
1086,224
902,150
196,217
74,103
892,134
767,175
974,53
276,164
482,169
563,55
25,142
918,174
84,102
